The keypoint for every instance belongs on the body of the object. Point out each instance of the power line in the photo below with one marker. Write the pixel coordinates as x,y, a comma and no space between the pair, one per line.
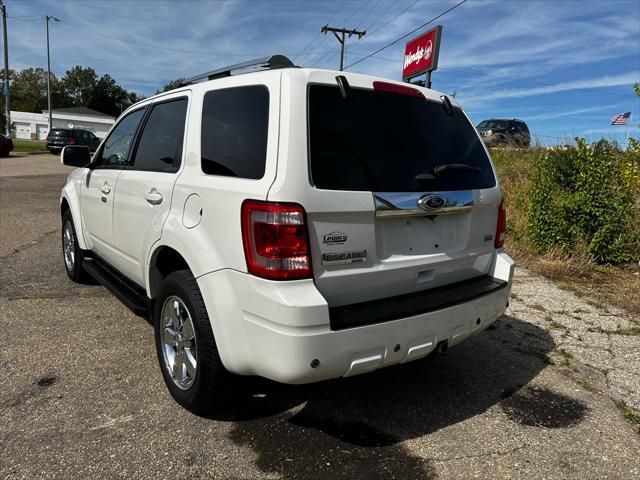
390,20
408,33
531,82
367,15
391,5
381,26
320,34
159,47
341,38
322,56
32,18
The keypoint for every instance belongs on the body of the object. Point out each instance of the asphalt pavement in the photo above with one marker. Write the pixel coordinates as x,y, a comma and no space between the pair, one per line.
81,394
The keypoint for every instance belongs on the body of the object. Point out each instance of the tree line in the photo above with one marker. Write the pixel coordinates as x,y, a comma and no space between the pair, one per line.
78,87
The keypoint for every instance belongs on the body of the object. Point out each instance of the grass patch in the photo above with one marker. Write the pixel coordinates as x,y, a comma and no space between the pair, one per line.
566,356
547,359
24,145
586,385
537,306
627,331
556,325
632,416
616,285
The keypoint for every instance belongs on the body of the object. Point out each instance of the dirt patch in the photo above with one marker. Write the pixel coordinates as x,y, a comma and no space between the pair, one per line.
617,286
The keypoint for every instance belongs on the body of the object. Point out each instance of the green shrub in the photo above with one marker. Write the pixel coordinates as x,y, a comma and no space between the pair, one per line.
584,201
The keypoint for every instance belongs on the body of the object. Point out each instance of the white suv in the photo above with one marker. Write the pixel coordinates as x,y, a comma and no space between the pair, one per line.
294,223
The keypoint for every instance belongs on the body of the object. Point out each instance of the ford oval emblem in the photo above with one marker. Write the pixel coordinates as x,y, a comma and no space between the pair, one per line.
432,202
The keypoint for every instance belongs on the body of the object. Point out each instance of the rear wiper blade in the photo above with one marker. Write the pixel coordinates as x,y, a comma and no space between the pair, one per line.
445,169
453,168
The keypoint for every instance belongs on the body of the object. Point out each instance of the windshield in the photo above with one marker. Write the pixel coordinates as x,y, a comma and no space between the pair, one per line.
387,142
500,124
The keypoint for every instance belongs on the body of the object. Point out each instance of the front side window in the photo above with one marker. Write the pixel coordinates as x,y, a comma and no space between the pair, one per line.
235,126
160,145
115,151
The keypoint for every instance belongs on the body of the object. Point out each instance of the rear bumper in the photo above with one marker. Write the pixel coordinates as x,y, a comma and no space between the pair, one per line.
279,329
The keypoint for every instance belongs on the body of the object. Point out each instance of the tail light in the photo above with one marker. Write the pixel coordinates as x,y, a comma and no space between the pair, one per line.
276,242
72,141
502,225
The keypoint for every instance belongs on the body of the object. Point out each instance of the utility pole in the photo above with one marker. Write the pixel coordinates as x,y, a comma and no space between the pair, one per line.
341,39
47,18
5,90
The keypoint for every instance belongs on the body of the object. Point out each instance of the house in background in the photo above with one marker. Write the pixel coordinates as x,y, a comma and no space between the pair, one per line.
34,126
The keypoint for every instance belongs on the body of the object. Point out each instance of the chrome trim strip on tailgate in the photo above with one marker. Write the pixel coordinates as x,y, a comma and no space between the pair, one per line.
412,204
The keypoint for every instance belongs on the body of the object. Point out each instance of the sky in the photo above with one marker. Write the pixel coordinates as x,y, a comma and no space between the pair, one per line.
565,67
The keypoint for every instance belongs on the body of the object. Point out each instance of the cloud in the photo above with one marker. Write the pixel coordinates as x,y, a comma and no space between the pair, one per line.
577,111
600,82
505,58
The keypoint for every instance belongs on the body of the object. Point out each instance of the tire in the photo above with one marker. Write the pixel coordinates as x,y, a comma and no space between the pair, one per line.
72,254
205,386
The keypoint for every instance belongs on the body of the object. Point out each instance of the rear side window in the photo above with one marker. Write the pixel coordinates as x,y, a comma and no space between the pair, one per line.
160,145
235,123
388,142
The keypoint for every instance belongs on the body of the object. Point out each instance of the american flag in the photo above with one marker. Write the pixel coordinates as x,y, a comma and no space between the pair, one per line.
621,119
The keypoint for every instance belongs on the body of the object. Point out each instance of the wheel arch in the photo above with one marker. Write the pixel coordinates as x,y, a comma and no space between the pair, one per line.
164,260
69,202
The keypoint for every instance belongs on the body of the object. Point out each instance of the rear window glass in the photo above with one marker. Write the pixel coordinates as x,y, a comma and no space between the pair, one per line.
502,124
387,142
60,133
235,125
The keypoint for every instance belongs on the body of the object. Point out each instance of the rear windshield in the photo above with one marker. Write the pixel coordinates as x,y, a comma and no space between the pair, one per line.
495,124
388,142
60,133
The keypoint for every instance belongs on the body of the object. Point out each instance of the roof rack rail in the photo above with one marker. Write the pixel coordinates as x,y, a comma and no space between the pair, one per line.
271,62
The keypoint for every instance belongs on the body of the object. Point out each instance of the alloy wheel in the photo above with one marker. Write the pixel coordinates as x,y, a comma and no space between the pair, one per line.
178,339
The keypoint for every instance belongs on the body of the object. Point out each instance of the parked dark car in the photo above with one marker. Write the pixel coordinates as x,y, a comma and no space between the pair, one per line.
59,138
6,145
503,132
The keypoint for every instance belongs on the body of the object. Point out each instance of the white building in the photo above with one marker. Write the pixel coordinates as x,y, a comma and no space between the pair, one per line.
34,126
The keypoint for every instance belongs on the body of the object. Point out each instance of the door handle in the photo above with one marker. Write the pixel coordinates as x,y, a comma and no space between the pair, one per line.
153,197
105,188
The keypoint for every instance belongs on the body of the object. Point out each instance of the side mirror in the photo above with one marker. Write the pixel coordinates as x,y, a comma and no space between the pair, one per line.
75,156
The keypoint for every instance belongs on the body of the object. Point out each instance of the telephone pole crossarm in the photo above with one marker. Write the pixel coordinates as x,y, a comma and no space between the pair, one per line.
341,38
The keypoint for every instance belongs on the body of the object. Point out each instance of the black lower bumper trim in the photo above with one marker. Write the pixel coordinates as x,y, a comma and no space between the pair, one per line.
408,305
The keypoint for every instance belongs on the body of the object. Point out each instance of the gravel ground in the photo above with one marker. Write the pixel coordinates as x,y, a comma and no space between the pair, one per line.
82,395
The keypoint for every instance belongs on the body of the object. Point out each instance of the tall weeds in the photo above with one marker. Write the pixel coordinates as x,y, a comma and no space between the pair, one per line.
580,201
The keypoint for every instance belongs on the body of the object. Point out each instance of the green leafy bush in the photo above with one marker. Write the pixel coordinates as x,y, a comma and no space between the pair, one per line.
584,200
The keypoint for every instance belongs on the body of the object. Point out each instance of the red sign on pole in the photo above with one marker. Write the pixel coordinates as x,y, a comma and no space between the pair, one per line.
421,54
